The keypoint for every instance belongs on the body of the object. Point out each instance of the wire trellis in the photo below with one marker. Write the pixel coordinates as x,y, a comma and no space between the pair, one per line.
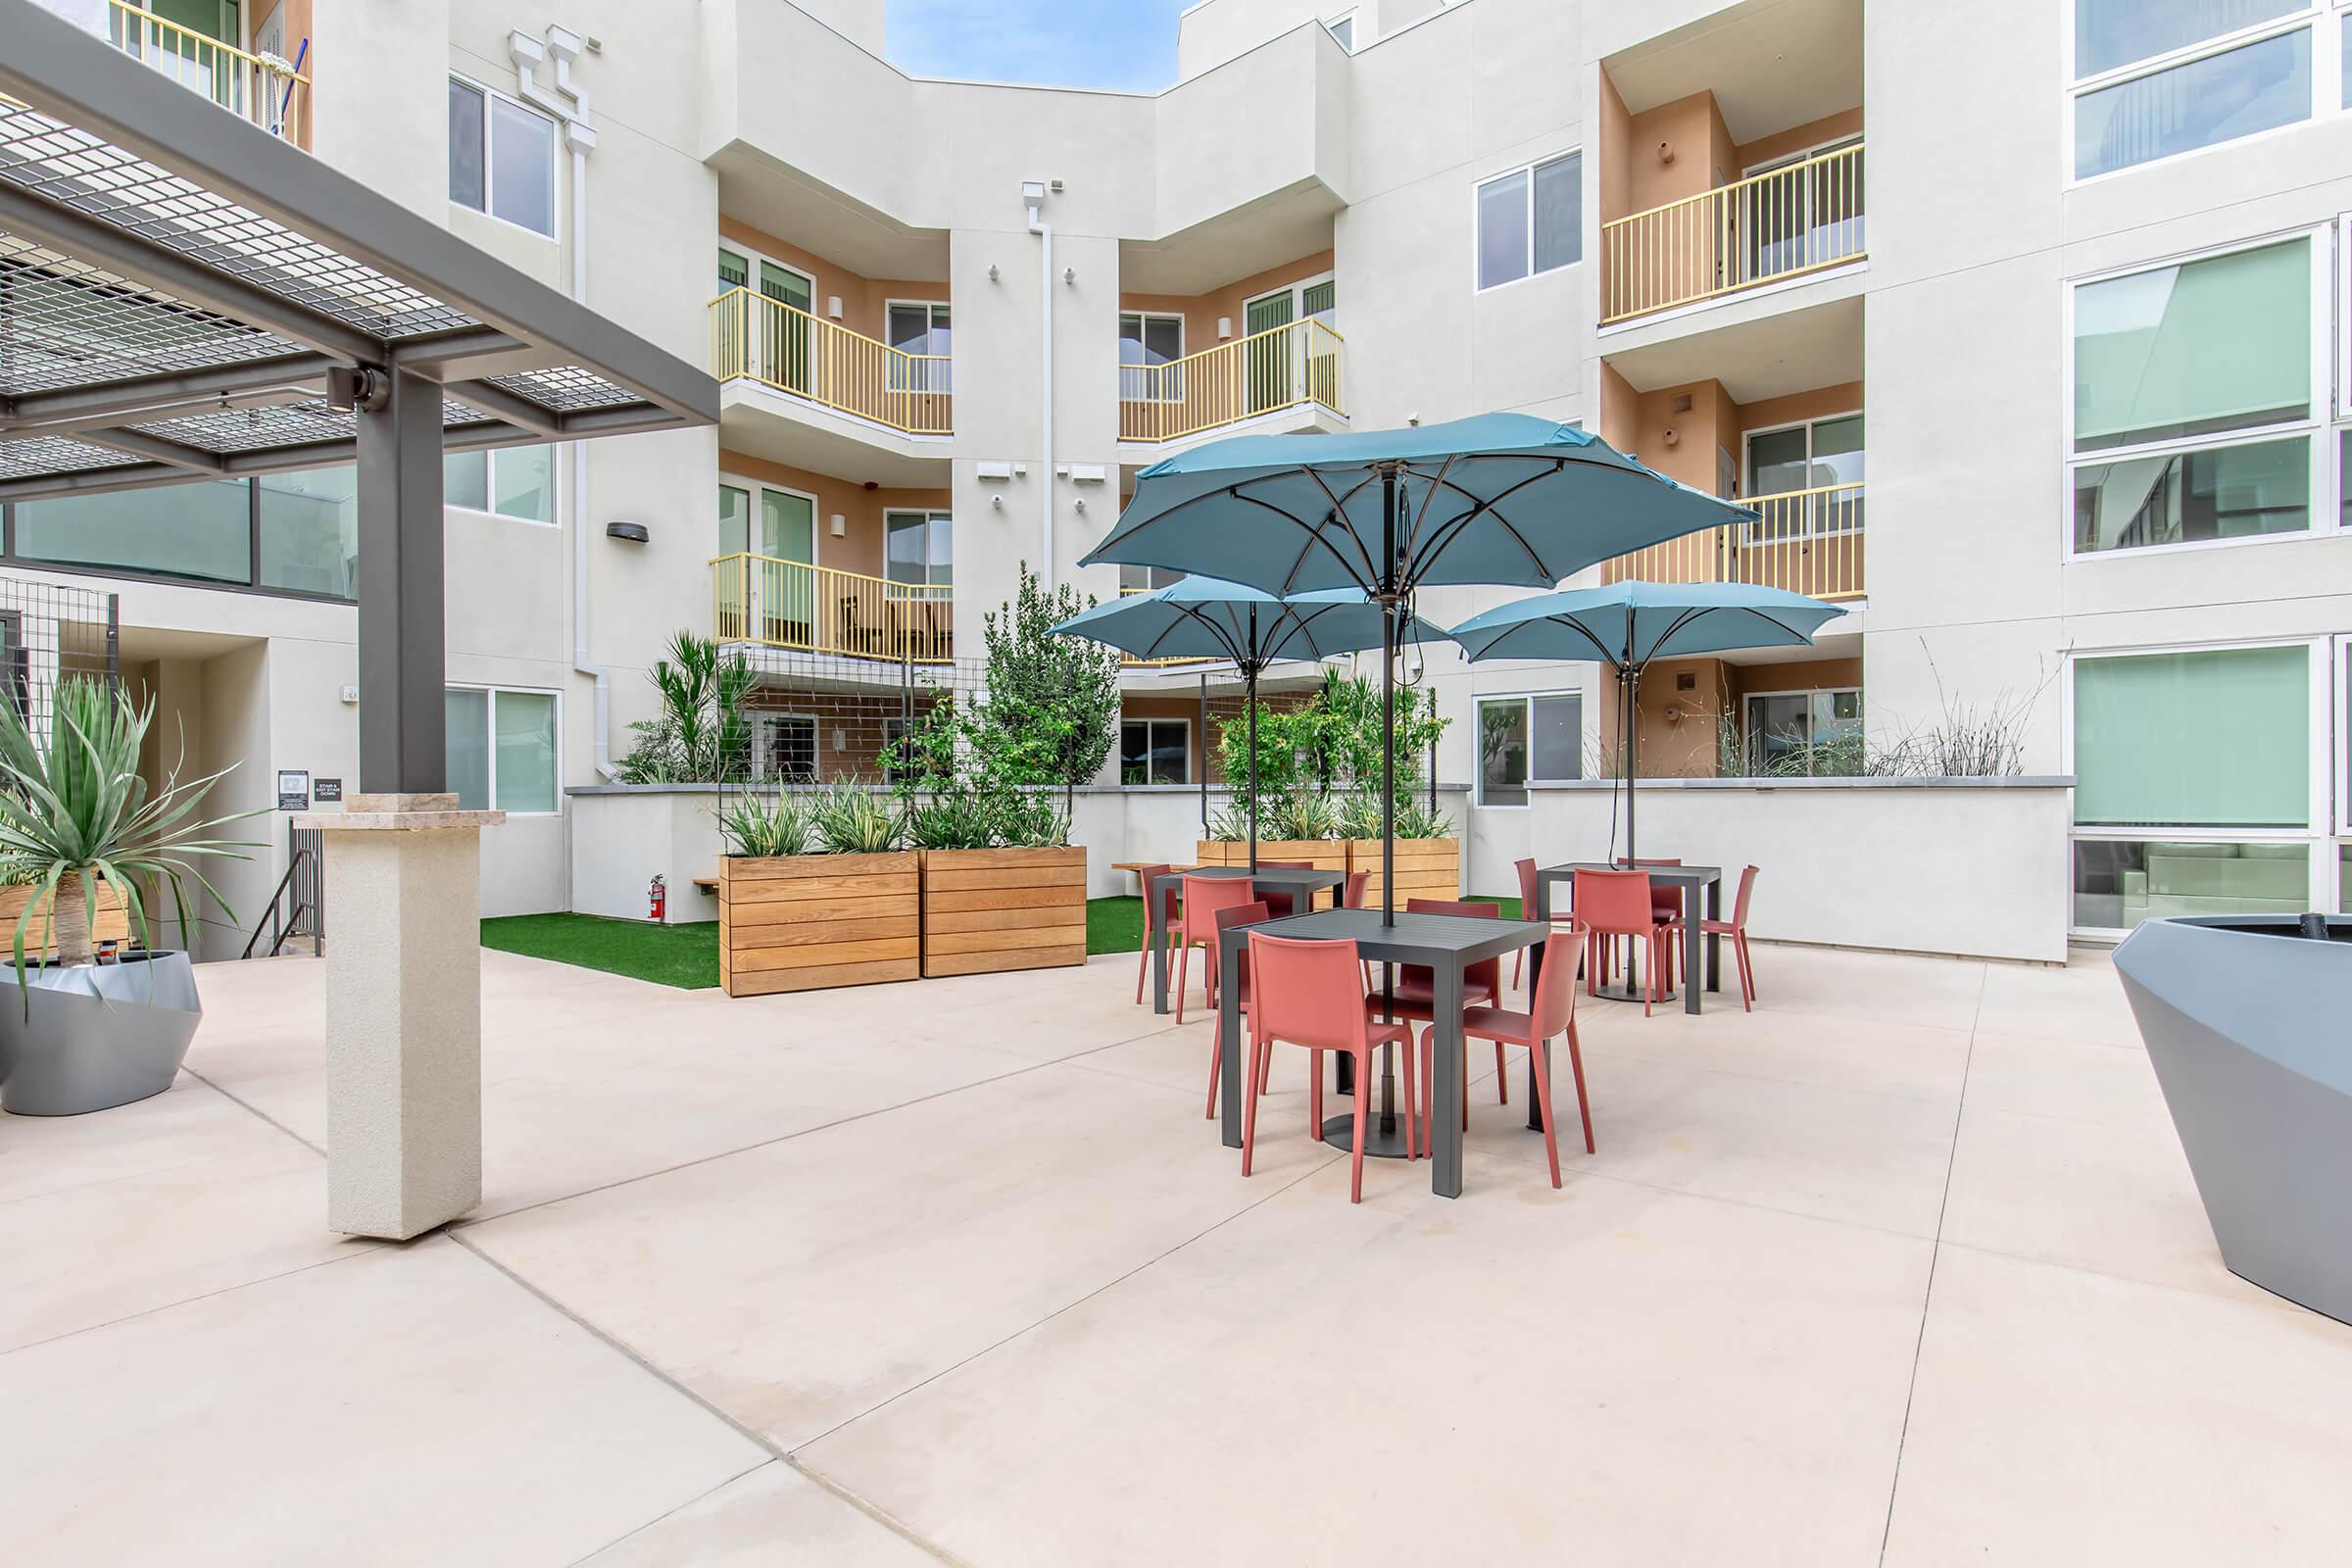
48,631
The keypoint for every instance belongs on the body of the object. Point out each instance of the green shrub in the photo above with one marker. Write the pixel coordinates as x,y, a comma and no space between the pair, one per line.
766,825
854,821
952,819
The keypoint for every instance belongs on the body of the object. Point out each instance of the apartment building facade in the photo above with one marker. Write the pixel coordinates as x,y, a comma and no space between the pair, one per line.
2024,326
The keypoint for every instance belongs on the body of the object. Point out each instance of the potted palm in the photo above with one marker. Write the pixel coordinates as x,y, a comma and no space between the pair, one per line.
76,818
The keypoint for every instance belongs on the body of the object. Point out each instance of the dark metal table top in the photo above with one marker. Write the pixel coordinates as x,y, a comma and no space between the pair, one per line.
1414,938
1682,876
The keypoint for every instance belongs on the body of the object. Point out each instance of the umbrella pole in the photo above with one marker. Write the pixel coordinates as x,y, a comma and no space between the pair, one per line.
1250,701
1388,702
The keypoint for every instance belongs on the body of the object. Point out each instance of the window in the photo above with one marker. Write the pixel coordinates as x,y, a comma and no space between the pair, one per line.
1819,464
1528,740
1342,28
2193,783
513,482
311,533
502,749
501,157
919,327
2196,402
1804,734
919,548
1142,580
1531,221
203,531
1148,341
1156,751
784,748
2154,80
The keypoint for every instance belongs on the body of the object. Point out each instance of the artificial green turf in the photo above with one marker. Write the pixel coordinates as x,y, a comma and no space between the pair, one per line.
1114,925
682,955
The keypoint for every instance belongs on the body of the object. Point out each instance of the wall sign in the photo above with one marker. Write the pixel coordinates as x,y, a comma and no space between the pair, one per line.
327,790
293,788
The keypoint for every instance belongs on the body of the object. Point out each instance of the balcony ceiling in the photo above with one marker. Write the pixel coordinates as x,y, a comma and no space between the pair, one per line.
1771,65
755,189
1764,356
1266,233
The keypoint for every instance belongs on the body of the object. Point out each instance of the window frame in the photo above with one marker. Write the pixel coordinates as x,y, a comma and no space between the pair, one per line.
945,369
1814,526
490,456
1176,381
490,738
2321,830
1748,726
761,719
1526,701
1147,722
2318,16
1529,168
1332,22
2323,266
555,162
751,488
929,516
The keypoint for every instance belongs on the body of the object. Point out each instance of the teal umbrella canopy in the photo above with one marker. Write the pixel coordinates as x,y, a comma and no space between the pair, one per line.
1204,617
1501,498
1627,624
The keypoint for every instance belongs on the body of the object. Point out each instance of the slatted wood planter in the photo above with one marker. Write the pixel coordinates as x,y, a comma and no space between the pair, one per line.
803,922
986,910
1324,855
1426,868
114,921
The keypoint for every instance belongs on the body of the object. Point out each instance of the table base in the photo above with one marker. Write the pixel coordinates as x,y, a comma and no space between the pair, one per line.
1618,991
1339,1132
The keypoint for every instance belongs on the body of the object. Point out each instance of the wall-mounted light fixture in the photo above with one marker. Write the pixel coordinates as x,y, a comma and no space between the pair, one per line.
992,272
1224,327
1069,274
833,306
631,533
839,525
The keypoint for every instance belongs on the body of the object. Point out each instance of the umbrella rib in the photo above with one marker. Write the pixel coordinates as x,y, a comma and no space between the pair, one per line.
1447,533
1339,508
1313,533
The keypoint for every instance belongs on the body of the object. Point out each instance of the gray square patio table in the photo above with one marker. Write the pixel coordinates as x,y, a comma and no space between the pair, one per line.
1446,945
1300,884
1691,879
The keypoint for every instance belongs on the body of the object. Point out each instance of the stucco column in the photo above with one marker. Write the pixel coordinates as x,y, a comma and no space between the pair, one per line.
403,1013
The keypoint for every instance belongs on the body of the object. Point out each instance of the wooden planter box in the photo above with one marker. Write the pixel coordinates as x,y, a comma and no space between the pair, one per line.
986,910
1426,868
806,921
114,921
1324,855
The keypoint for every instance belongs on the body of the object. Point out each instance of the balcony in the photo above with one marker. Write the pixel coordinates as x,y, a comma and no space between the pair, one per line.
815,609
1804,540
262,89
1283,370
787,350
1784,224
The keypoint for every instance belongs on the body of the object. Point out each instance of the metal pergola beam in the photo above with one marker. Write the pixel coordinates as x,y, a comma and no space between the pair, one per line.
236,465
403,741
154,448
154,397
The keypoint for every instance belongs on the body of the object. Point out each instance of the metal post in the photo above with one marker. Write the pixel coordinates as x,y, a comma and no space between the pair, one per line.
113,644
1388,698
402,744
1204,743
1250,701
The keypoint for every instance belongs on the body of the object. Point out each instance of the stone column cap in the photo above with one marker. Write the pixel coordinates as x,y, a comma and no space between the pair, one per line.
397,813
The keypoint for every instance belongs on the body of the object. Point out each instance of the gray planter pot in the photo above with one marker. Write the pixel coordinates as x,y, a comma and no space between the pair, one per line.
2244,1025
97,1034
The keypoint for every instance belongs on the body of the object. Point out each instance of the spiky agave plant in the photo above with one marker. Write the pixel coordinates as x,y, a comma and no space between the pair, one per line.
74,810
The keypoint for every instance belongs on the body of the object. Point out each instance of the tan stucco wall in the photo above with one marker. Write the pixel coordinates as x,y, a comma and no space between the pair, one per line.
1200,312
859,549
864,300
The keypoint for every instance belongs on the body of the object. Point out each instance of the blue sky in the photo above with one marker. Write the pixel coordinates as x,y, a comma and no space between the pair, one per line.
1065,43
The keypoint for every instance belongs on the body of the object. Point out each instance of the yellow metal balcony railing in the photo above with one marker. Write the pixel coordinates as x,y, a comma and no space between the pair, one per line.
1805,541
262,88
790,603
1780,224
1278,368
783,346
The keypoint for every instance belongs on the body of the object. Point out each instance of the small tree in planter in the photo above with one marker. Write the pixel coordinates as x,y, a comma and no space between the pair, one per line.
75,817
1050,711
814,891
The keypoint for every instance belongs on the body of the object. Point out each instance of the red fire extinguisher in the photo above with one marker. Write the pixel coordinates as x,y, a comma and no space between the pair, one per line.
659,894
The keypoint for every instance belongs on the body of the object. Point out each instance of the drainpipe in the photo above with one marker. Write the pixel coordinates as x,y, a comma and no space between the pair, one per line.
1033,196
569,103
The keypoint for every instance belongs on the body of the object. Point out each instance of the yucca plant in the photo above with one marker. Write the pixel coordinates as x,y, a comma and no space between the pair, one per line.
1231,825
74,810
1360,815
1416,821
1029,820
767,825
1304,816
951,819
856,821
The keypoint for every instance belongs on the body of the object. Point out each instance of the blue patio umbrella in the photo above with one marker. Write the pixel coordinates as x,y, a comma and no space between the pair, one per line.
1506,499
1627,624
1206,617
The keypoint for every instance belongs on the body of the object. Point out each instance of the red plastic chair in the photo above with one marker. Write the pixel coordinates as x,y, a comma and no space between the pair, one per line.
1284,904
1306,993
1203,897
1737,929
1526,911
1353,897
1227,919
1551,1013
1665,904
1167,922
1481,986
1617,903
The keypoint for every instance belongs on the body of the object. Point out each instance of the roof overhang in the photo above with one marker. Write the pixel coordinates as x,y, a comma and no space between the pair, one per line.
176,286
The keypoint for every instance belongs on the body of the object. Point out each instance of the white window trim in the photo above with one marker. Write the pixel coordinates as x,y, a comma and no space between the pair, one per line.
1748,467
1331,25
1527,168
490,489
1792,159
756,258
1526,701
929,515
2321,700
1747,723
816,735
945,372
817,514
490,738
554,163
2326,53
2326,514
1143,318
1184,724
2339,275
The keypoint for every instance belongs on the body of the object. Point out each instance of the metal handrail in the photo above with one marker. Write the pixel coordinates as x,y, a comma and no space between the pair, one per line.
1280,368
292,922
268,92
1783,222
791,603
1807,541
784,347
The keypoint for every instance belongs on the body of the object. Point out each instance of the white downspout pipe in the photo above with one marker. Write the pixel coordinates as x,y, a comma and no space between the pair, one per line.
1033,196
